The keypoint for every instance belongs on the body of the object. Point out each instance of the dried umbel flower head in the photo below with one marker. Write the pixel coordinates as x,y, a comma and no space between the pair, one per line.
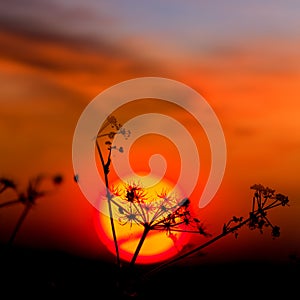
162,212
263,200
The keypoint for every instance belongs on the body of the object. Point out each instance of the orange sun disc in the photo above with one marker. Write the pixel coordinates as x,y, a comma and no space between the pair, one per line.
159,245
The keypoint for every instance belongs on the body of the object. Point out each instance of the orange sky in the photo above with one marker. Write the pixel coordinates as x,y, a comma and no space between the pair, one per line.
250,76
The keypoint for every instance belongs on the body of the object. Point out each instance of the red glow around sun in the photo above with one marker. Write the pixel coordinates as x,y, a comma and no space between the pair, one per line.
158,245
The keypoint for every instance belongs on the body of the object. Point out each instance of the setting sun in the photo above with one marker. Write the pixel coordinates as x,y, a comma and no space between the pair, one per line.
160,244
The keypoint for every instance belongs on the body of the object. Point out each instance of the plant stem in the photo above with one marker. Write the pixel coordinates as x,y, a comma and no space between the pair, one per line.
19,223
108,195
140,244
211,241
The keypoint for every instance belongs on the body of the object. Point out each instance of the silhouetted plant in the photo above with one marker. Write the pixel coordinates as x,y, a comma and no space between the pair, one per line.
264,199
28,198
131,204
113,128
165,213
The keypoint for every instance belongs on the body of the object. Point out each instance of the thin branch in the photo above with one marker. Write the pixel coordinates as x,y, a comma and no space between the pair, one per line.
9,203
197,249
108,195
139,246
19,223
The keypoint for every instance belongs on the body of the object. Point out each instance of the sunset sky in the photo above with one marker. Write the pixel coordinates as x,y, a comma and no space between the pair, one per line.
241,56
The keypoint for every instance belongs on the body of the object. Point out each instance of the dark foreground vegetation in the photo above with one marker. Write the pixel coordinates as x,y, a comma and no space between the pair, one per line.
40,274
